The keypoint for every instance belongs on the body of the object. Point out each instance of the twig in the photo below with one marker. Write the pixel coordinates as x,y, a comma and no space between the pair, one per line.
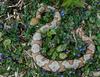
19,4
16,4
28,53
9,17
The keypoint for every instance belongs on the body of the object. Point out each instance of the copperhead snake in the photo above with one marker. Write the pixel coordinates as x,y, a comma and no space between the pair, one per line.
53,65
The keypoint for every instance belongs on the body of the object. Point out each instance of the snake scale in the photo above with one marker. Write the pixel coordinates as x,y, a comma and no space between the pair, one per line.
53,65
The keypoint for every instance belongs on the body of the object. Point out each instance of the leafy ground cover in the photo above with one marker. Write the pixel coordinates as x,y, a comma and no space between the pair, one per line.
16,34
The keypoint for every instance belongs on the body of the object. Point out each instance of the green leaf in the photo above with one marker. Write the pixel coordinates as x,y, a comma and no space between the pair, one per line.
7,43
52,50
67,3
61,47
1,34
98,48
54,56
92,19
98,22
44,50
98,35
62,55
51,32
78,3
73,3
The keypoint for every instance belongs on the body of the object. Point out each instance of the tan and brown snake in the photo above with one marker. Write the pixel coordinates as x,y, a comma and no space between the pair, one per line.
53,65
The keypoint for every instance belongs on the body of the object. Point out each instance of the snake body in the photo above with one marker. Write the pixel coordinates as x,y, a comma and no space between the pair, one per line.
53,65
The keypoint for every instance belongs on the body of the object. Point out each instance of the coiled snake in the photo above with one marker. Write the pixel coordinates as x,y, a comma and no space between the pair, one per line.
53,65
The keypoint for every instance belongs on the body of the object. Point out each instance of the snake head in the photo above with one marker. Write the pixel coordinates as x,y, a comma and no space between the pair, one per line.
80,31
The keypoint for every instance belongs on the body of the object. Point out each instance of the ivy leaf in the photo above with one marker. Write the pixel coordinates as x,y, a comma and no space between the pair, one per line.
7,43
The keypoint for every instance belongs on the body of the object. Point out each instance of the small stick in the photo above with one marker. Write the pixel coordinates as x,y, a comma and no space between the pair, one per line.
17,4
28,53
